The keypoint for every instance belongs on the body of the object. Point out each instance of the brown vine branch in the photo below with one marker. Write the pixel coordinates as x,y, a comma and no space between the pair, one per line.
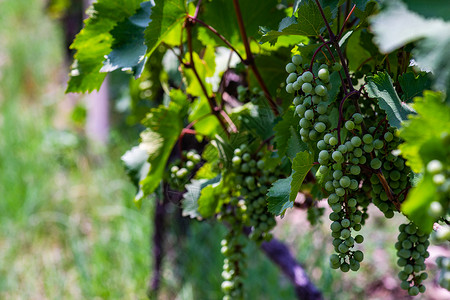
250,59
214,31
281,256
341,113
158,246
211,99
345,21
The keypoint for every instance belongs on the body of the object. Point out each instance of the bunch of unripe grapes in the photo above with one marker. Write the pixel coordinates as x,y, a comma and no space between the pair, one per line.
443,264
412,251
357,166
311,95
253,179
180,169
233,246
441,178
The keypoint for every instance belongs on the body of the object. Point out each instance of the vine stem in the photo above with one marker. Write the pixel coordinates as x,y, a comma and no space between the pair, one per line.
197,9
335,43
250,61
211,99
214,31
158,245
341,113
345,21
315,54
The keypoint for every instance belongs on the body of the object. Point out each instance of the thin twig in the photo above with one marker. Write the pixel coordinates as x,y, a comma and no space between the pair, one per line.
213,30
211,99
197,9
250,59
343,24
341,114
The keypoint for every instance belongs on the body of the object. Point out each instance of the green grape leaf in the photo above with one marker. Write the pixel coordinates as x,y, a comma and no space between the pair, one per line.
164,125
258,121
301,165
430,9
396,26
413,86
356,51
166,16
271,69
209,199
309,22
380,87
208,125
220,14
136,165
94,42
193,191
278,196
418,202
283,131
336,83
432,120
128,48
295,143
205,67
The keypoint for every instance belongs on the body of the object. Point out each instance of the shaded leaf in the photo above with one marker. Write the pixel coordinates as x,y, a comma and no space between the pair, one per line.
283,132
209,199
380,87
309,22
413,86
94,42
278,196
301,165
193,192
396,26
128,49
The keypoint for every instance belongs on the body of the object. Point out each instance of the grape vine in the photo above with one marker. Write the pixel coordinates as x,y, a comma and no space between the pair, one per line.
360,120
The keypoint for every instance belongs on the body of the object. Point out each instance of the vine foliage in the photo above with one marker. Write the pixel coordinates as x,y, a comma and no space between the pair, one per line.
248,106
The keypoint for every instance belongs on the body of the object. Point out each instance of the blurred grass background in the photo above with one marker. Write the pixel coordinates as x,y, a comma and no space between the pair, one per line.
69,229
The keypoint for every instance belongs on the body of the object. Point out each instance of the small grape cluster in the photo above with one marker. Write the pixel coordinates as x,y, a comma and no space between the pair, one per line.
443,264
179,170
441,178
311,92
253,179
412,251
233,246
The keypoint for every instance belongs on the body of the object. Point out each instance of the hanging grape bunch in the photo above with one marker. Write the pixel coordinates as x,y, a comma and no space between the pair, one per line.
233,245
443,264
253,179
411,248
356,164
180,169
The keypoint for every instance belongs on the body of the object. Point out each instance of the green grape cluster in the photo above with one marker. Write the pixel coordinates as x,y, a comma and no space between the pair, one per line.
441,178
357,161
253,179
180,169
412,251
443,264
233,246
